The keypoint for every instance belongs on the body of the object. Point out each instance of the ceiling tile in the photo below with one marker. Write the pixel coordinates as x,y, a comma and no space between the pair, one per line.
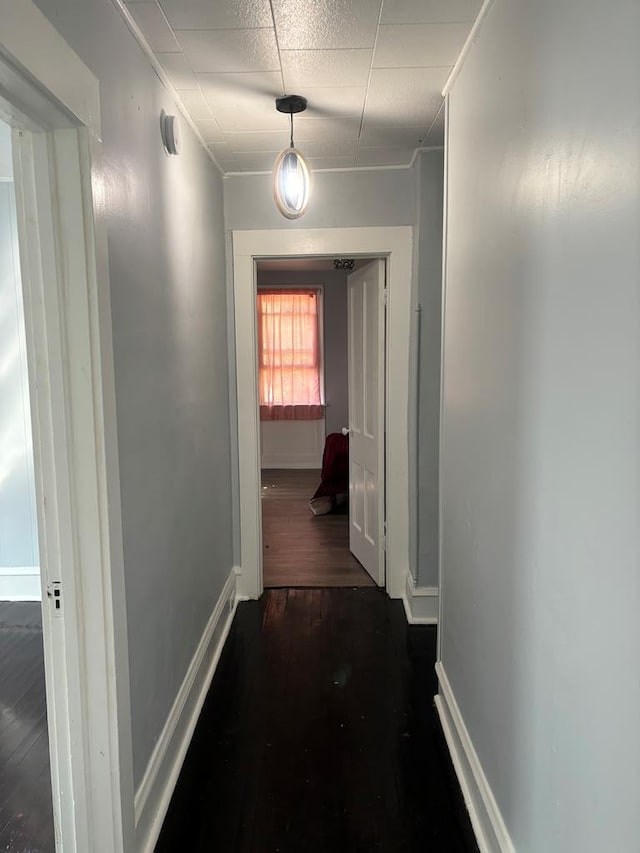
384,156
429,11
256,162
419,45
326,102
329,148
230,50
178,70
392,137
317,24
244,101
223,153
314,68
154,27
195,104
273,140
210,130
316,163
212,15
404,97
326,128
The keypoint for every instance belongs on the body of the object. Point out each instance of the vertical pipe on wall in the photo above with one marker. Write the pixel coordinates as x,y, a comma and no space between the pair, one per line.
414,440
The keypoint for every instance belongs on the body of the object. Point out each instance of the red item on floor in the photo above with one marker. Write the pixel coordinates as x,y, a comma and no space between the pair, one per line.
335,466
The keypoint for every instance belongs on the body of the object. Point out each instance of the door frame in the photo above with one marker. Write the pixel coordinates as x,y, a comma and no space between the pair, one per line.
51,99
393,243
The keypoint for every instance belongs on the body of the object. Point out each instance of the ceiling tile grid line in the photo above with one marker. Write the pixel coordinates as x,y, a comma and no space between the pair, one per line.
372,71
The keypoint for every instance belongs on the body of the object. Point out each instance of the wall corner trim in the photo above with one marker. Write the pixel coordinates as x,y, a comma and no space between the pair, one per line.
420,603
156,788
487,822
466,47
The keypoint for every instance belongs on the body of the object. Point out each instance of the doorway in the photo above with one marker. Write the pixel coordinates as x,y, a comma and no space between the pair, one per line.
303,396
393,244
26,806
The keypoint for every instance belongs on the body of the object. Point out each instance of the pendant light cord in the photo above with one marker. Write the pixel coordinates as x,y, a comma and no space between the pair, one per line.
291,119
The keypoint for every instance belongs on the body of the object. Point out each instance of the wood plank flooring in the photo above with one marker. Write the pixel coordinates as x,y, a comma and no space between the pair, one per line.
26,811
299,548
319,735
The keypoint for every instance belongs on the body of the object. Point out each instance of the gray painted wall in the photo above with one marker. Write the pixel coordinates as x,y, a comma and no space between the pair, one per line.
167,267
340,199
541,479
336,385
429,169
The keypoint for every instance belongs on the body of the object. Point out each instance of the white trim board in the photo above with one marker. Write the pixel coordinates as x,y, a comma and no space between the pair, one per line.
38,50
420,603
395,244
21,583
487,822
466,47
154,792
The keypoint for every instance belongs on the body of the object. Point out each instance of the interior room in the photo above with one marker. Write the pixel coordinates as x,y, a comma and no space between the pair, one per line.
26,815
305,503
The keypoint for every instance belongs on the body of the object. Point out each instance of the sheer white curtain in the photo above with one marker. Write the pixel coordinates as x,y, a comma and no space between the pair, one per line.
290,355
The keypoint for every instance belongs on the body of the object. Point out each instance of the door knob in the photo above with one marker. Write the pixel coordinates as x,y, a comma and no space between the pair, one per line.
346,431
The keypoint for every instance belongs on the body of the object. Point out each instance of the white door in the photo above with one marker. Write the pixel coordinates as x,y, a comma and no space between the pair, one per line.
366,417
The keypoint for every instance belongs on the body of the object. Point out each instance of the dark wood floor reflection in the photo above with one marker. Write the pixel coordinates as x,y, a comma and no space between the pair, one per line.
26,813
300,548
319,736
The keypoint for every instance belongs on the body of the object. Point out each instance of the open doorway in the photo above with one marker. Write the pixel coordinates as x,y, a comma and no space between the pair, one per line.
26,806
321,371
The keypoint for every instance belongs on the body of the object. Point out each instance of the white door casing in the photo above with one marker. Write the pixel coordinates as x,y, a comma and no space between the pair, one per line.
366,289
394,243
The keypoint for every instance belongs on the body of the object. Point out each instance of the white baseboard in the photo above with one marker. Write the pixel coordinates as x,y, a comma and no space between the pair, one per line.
420,603
20,584
154,793
489,827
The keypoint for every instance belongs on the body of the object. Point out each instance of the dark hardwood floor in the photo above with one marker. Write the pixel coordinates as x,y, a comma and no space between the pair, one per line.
26,812
319,736
300,548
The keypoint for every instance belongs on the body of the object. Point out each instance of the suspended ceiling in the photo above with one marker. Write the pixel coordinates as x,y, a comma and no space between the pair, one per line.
372,72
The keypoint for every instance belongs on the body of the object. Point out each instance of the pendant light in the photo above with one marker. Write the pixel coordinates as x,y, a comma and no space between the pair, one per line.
291,177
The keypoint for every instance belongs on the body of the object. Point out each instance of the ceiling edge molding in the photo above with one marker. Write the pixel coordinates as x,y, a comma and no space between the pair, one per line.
393,168
466,47
136,32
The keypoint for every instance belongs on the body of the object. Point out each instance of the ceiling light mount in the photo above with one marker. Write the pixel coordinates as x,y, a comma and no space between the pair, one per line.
291,177
291,104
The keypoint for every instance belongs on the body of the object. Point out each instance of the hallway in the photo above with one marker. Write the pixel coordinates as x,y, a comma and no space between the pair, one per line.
319,734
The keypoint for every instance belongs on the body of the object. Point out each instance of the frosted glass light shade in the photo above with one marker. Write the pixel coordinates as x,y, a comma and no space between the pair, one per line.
291,183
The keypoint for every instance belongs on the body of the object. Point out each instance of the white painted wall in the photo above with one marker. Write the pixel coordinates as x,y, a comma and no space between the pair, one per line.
541,466
19,558
292,444
167,266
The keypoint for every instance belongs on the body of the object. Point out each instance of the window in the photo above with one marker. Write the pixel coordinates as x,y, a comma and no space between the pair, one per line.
289,353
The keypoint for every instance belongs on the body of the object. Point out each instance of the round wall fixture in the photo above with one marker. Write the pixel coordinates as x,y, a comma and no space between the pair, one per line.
291,176
169,132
